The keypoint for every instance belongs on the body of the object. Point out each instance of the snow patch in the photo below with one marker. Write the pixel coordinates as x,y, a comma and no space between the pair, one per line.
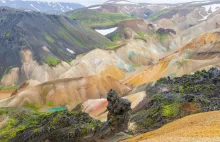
35,7
97,7
71,51
204,17
106,31
121,2
198,2
213,7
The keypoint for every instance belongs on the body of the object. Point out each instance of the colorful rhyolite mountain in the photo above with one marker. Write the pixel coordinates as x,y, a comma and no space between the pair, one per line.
74,67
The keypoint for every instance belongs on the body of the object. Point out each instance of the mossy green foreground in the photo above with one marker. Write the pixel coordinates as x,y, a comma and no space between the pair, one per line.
22,124
171,99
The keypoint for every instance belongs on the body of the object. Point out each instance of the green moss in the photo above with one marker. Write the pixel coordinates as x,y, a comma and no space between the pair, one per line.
181,90
36,130
170,110
52,61
141,36
150,121
84,131
51,104
161,37
113,46
96,19
115,37
8,34
157,15
7,132
32,122
8,87
49,39
34,107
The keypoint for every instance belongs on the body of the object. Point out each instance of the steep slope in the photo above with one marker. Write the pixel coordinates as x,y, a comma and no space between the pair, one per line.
35,42
201,127
95,19
200,53
39,6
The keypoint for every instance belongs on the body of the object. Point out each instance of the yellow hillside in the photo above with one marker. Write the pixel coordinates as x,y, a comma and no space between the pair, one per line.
203,127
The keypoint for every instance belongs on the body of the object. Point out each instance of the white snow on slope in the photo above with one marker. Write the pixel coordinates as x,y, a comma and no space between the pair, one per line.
121,2
97,7
124,2
71,51
204,17
198,2
213,7
35,7
106,31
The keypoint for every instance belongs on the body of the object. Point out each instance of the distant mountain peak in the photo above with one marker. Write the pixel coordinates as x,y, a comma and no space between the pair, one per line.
40,6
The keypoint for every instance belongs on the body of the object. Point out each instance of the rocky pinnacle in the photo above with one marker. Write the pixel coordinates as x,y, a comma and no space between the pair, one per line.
118,115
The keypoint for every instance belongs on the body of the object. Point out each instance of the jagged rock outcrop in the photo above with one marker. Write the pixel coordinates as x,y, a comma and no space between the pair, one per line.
162,31
118,115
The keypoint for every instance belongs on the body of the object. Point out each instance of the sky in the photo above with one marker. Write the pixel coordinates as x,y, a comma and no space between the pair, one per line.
93,2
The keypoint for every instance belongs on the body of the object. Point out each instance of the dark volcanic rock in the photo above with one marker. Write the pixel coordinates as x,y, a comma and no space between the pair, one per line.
118,115
28,126
162,31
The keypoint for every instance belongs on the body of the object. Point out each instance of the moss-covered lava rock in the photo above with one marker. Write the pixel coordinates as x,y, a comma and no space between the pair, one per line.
171,99
25,125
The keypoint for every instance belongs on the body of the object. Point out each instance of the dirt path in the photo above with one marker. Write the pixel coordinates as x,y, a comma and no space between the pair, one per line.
203,127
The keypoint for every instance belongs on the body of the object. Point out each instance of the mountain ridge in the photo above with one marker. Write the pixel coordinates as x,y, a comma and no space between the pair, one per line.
39,6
